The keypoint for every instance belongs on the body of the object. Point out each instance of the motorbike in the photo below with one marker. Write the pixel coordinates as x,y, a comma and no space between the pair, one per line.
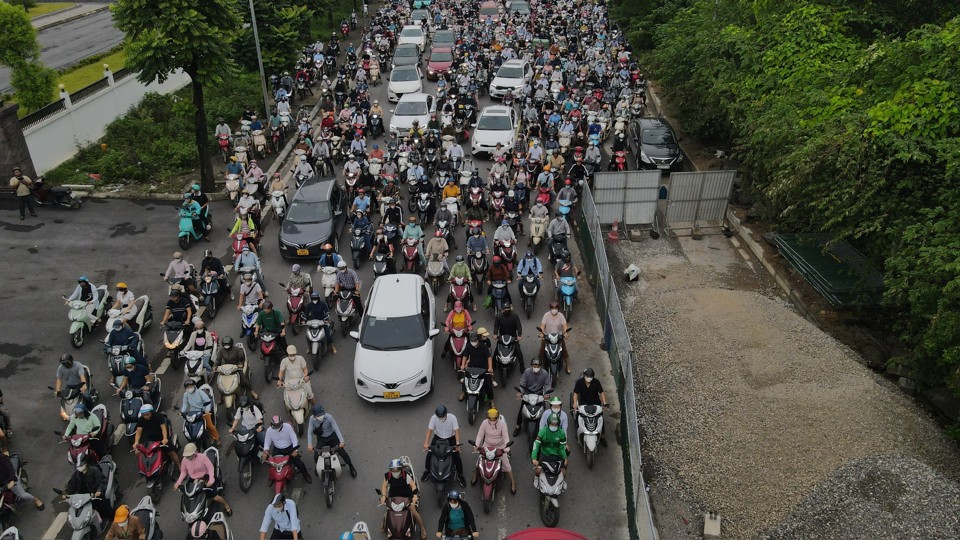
153,464
276,138
295,399
508,252
82,322
452,205
459,291
82,518
71,397
228,382
358,246
116,357
61,196
147,514
589,420
212,297
567,290
489,469
328,280
411,256
270,354
558,245
381,265
551,484
618,161
193,367
188,233
399,519
194,426
529,288
247,448
473,382
424,206
499,294
248,318
457,344
496,205
194,501
281,472
317,339
278,200
130,403
533,407
329,469
375,126
442,471
347,310
478,268
260,143
436,272
79,446
233,186
174,340
295,305
553,352
10,503
506,354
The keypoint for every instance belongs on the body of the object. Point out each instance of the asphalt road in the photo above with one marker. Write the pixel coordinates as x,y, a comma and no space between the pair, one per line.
66,44
132,241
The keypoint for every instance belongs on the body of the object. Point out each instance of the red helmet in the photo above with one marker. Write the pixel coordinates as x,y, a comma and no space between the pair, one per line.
567,182
438,234
496,258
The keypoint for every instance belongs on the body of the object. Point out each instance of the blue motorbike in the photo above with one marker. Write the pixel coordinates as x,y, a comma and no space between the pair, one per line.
188,233
567,289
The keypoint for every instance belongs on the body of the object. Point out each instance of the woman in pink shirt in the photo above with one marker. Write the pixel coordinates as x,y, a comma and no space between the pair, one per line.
494,433
197,466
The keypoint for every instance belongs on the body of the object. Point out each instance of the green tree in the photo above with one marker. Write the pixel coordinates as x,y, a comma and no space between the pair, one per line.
167,35
19,51
284,28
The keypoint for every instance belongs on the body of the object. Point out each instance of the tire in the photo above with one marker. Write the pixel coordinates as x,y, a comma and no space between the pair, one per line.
567,310
356,263
76,339
472,416
528,306
212,309
344,329
549,514
295,327
246,475
487,505
316,360
328,496
229,412
184,242
268,372
504,373
300,430
251,342
74,204
157,490
591,456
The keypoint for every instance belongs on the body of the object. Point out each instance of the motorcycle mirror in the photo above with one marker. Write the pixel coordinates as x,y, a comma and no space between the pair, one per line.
517,388
282,285
57,491
57,433
509,444
378,491
355,335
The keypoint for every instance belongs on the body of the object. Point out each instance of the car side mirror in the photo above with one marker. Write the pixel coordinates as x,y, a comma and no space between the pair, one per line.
434,332
355,335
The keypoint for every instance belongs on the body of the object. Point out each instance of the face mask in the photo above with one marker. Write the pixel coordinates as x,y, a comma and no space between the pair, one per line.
458,310
536,370
554,311
555,409
291,356
123,525
454,505
395,474
588,379
554,428
474,343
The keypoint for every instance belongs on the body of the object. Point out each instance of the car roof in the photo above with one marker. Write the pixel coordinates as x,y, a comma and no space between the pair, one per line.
440,49
415,96
514,63
489,4
647,122
412,27
395,295
316,189
408,67
496,110
408,46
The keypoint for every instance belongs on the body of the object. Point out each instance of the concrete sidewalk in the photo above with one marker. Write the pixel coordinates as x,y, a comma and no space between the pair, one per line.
64,15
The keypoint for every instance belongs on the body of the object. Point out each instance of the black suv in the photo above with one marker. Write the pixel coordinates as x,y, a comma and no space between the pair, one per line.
315,216
655,145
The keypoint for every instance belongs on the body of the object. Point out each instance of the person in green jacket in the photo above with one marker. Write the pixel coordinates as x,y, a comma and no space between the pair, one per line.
551,442
270,320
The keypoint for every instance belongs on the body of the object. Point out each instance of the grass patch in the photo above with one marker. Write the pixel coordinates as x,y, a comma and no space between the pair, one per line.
85,75
49,7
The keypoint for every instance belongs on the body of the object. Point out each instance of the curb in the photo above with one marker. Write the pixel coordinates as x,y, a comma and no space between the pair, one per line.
55,13
69,19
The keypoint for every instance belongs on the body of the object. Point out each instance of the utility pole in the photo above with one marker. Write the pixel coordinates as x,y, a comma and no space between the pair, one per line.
263,78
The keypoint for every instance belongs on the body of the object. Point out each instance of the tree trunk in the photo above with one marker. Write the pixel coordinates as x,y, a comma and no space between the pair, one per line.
200,130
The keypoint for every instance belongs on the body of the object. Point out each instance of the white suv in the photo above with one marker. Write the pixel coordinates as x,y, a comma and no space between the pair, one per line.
512,75
394,358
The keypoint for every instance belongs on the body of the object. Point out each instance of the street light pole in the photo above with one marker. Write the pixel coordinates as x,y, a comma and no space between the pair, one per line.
263,78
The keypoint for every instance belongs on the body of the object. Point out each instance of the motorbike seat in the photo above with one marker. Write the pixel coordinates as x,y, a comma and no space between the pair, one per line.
217,530
59,190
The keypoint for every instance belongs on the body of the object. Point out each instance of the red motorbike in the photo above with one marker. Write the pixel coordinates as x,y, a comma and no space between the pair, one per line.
496,205
152,463
457,345
294,308
281,472
544,195
489,467
411,255
508,252
619,161
240,240
223,140
460,292
79,445
345,29
475,197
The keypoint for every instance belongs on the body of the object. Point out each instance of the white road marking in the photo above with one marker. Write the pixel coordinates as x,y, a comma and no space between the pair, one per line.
163,366
502,513
118,433
54,529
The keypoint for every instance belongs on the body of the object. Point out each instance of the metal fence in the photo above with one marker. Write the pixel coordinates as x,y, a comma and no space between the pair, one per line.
629,197
123,73
42,113
89,90
616,339
699,198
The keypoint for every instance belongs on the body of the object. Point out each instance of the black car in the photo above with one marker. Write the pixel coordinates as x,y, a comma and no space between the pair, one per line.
407,54
655,145
315,216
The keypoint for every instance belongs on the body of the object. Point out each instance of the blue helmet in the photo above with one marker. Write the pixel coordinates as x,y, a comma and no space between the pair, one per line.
454,495
146,408
317,410
346,536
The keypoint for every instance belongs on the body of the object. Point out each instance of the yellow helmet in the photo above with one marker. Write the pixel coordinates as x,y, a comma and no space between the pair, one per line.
121,285
493,414
546,167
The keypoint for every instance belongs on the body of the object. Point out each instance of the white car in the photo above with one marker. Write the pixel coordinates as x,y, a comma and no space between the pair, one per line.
496,124
394,358
413,33
404,80
512,75
412,107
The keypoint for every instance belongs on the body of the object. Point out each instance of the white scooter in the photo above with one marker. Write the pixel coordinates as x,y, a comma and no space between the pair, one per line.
589,430
233,186
317,339
278,200
82,518
329,469
84,317
295,398
328,280
140,322
147,514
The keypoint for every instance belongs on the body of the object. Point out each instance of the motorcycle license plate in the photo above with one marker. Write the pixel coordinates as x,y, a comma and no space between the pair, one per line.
303,252
391,395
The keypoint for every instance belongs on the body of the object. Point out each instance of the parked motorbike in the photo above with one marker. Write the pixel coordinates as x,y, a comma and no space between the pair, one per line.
82,322
60,196
489,469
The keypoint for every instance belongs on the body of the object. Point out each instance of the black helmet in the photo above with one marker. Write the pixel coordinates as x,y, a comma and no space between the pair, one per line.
189,382
227,342
474,336
441,411
244,401
529,254
459,258
454,495
588,372
314,295
66,358
566,256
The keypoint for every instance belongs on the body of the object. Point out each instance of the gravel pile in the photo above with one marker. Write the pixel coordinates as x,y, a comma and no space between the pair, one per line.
900,497
745,406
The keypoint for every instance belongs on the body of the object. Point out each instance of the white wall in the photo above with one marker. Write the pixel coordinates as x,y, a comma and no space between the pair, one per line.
55,139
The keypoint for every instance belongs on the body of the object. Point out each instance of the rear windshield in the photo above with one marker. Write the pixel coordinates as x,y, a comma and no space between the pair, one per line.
406,51
495,123
392,333
441,56
658,136
411,108
411,32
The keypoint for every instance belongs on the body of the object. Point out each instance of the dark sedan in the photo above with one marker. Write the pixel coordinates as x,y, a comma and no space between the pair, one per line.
407,54
655,145
315,217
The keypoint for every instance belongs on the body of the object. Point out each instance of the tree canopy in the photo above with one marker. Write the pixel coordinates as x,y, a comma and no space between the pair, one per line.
31,80
845,117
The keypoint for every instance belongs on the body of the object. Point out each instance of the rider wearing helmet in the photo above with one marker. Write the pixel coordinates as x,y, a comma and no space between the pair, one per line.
317,309
551,443
443,425
323,426
328,257
72,376
456,518
231,353
588,391
565,267
249,415
87,292
398,482
84,423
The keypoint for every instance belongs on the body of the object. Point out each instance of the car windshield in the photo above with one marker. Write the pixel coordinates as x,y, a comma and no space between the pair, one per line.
301,211
443,37
511,72
491,122
658,136
490,10
441,56
411,108
418,15
406,52
403,75
411,32
392,333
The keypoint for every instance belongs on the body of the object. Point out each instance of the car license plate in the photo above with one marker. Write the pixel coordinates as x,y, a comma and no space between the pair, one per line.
303,252
663,167
391,395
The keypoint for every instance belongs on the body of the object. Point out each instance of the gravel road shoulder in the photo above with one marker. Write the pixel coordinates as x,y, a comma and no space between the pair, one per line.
746,407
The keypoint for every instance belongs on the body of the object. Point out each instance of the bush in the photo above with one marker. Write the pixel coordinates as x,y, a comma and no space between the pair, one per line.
154,142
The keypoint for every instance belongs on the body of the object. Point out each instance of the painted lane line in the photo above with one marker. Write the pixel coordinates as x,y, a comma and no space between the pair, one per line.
54,529
163,367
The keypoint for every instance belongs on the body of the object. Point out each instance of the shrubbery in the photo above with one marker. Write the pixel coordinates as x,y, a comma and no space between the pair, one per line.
154,142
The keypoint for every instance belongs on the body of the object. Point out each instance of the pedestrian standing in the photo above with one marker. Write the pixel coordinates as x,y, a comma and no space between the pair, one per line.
22,184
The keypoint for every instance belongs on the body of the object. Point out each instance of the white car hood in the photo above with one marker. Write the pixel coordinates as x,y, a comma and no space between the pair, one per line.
394,366
406,87
508,83
406,122
491,138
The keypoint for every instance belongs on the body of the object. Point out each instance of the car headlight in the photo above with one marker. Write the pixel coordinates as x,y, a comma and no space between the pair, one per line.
644,158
